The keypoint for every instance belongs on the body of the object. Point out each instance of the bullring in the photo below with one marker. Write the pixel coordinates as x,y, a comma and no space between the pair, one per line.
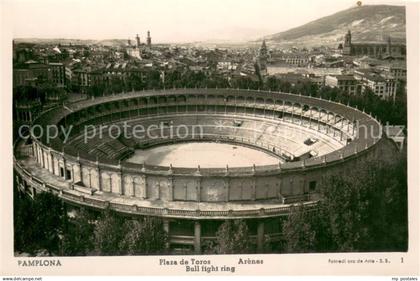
192,200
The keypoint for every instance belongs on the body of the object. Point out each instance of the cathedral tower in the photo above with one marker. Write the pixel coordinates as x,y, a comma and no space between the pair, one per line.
138,41
388,46
262,58
347,44
149,39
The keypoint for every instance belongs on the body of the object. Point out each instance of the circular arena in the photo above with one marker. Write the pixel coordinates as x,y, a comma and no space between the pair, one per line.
196,157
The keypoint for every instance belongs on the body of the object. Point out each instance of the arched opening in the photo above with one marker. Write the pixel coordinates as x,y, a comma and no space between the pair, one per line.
171,99
230,99
250,100
143,101
181,99
260,100
161,100
152,100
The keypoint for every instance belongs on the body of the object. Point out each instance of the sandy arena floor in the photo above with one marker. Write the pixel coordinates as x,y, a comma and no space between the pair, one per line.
205,154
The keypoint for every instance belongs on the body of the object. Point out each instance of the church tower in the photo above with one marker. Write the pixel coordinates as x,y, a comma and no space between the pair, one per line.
388,46
149,39
137,41
347,44
263,50
262,58
134,50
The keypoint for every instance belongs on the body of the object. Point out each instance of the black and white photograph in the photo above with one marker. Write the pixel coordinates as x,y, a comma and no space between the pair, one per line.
209,128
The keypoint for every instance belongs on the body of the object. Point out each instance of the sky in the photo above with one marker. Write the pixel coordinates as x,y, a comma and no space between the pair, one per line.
169,21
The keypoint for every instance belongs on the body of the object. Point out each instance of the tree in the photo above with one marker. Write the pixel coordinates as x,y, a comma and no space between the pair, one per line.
342,208
109,231
38,223
298,233
49,221
96,90
23,222
386,215
153,80
367,210
364,210
233,238
144,236
78,237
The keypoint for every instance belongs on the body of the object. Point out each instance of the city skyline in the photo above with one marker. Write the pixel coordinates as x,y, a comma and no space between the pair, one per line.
100,20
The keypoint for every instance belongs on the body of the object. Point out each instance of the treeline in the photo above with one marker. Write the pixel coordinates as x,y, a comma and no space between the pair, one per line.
155,79
45,226
363,210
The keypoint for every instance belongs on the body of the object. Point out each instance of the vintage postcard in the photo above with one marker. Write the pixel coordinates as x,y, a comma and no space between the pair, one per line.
231,137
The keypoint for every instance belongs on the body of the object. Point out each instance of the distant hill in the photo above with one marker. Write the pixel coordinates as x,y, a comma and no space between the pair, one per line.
367,23
106,42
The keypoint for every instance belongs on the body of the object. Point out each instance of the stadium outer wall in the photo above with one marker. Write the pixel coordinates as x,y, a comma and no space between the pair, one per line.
197,197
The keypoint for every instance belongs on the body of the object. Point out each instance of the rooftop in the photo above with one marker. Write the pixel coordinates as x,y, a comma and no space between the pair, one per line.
343,77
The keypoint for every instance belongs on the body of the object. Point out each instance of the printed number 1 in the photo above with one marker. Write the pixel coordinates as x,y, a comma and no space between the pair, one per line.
402,260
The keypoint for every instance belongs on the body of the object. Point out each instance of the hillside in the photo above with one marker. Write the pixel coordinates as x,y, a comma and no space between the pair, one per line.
367,23
106,42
